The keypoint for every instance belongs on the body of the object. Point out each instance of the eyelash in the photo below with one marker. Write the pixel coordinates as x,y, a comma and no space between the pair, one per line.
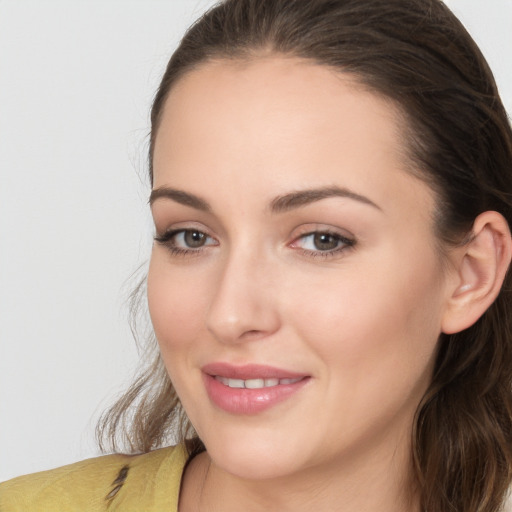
346,243
167,239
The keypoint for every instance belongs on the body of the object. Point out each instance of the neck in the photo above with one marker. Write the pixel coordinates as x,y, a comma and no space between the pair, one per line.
380,482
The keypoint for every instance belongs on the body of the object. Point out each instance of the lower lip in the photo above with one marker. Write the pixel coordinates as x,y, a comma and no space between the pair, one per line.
249,401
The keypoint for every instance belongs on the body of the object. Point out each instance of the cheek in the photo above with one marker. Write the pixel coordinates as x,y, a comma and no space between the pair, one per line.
374,331
176,301
375,351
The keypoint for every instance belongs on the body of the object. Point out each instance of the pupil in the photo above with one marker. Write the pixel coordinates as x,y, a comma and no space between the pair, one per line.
324,241
194,238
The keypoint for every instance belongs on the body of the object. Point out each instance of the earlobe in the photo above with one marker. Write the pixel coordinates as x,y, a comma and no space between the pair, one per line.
480,267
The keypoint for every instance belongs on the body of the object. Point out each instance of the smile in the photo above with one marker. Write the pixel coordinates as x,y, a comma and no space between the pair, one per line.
255,383
250,389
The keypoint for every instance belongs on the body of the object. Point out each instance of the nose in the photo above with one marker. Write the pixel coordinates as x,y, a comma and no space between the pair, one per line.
244,306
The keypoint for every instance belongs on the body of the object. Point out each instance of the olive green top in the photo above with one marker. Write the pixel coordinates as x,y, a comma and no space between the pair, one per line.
140,483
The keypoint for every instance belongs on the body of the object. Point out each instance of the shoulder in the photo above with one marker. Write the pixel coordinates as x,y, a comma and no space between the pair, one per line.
147,482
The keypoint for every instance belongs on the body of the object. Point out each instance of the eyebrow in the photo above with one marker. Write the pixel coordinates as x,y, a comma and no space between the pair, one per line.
304,197
280,204
180,197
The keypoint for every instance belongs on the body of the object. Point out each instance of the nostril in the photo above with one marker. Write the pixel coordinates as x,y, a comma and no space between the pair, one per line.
252,334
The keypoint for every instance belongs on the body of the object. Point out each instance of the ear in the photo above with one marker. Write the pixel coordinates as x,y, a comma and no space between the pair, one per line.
479,269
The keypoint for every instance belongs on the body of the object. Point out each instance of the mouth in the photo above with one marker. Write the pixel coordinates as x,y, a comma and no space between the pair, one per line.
255,383
250,389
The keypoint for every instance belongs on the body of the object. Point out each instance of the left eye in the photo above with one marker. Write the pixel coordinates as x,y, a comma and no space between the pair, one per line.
322,241
191,239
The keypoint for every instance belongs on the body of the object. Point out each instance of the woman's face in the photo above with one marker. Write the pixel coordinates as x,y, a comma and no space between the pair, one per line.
295,288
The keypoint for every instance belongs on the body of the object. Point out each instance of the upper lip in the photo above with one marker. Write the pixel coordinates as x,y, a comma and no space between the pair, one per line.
249,371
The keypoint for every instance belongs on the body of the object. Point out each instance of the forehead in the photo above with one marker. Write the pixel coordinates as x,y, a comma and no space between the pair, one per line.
278,123
277,88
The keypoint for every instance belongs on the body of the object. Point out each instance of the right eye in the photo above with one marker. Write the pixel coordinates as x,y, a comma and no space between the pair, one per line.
182,241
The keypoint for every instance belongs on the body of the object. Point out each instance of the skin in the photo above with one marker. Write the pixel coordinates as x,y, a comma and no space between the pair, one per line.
362,322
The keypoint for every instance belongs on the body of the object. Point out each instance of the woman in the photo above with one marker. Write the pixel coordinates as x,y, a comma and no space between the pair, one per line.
328,286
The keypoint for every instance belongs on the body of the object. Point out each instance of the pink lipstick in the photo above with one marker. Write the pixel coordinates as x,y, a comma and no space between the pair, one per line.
249,389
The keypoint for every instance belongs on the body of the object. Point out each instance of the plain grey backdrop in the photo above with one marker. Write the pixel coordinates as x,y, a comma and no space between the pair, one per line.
76,82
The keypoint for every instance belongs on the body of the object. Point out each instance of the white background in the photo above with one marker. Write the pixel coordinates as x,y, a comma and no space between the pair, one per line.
76,82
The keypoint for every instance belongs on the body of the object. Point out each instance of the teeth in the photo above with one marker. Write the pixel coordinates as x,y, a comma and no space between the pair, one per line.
254,383
261,383
288,381
236,383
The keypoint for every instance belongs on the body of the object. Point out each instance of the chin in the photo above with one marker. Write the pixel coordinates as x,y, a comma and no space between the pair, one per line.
249,466
256,457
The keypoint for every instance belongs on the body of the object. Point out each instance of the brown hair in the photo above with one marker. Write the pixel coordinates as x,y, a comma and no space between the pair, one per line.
459,140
